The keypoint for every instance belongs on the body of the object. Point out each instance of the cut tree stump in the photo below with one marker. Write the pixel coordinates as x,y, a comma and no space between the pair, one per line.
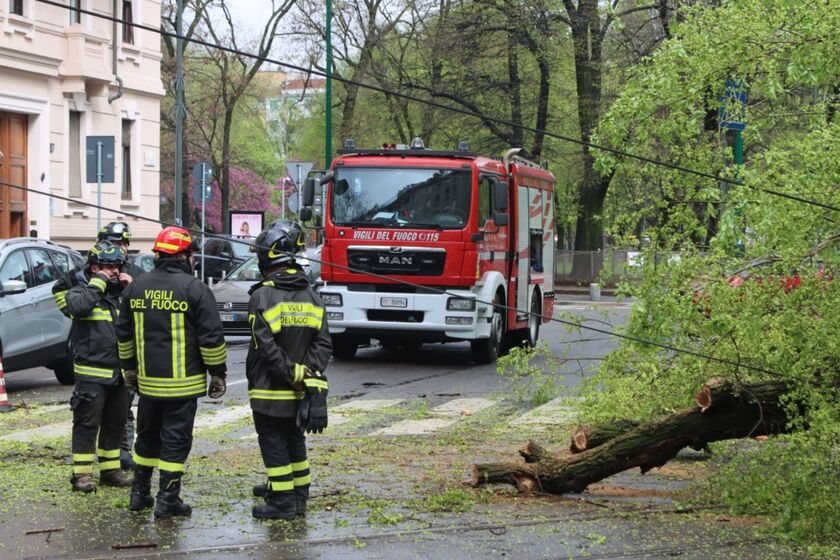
724,411
590,437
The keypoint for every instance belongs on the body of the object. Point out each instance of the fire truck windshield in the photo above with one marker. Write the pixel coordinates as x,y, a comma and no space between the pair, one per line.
401,197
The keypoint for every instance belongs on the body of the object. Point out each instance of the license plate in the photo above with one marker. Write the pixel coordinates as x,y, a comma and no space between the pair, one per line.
393,302
228,317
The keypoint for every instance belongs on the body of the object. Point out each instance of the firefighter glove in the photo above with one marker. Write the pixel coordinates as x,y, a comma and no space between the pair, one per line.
312,413
130,376
217,386
314,380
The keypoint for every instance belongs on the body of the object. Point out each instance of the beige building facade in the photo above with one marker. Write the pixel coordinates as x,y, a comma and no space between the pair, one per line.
58,87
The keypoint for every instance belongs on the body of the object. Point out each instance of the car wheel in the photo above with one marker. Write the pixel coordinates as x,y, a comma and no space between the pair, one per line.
63,368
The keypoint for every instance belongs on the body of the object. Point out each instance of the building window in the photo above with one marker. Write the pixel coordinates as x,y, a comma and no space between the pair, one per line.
74,144
75,14
126,158
128,19
16,7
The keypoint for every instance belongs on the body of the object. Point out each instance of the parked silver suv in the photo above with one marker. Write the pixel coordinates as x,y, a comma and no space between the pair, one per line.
33,332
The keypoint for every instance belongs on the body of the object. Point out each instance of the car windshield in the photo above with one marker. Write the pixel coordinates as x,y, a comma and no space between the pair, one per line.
242,250
400,197
248,271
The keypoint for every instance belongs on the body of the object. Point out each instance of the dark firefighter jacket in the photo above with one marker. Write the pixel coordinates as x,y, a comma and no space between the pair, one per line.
170,332
93,304
288,329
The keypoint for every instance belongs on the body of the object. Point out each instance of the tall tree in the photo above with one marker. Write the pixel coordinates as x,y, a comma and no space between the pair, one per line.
235,73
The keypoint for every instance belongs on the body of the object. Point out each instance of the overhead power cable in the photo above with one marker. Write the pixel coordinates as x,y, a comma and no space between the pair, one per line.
425,288
445,107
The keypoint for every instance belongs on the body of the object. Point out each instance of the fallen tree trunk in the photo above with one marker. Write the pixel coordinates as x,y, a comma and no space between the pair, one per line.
724,411
590,437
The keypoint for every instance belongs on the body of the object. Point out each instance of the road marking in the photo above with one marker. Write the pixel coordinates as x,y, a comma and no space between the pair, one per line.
442,416
232,383
367,405
48,431
223,416
552,413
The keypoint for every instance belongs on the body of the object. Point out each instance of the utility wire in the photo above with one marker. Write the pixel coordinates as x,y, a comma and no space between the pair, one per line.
445,107
432,289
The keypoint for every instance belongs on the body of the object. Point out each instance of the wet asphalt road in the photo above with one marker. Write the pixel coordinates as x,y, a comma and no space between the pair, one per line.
380,372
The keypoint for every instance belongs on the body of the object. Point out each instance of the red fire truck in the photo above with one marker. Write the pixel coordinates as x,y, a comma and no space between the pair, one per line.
480,228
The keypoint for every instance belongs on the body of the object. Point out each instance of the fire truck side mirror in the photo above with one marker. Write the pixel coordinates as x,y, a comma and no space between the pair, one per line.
501,219
308,192
500,193
305,214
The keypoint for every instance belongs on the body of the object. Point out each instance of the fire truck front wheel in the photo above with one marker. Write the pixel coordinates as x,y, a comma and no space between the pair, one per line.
486,350
344,348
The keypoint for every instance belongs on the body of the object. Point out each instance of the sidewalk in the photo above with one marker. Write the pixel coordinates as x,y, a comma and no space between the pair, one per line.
378,496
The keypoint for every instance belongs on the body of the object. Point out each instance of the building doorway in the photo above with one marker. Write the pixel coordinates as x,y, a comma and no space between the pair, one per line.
13,161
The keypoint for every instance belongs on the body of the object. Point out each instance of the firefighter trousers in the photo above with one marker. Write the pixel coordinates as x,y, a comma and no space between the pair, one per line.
127,441
164,435
283,450
97,409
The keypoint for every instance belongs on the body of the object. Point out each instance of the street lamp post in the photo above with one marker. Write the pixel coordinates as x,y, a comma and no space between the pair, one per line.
328,116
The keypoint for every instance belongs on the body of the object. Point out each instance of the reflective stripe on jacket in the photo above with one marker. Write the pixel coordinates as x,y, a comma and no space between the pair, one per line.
93,304
170,332
288,331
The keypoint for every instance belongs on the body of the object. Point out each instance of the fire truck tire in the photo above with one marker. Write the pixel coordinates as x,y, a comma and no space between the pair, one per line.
528,336
344,348
486,350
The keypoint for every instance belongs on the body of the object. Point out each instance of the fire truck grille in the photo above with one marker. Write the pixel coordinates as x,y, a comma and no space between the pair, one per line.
407,263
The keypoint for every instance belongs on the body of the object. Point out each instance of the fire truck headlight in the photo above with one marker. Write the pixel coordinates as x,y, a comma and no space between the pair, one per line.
460,304
331,300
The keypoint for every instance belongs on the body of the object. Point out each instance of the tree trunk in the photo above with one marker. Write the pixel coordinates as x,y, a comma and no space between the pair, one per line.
590,437
224,183
723,411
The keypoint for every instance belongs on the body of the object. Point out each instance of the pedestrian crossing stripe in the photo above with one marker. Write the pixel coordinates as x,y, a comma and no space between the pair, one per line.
439,418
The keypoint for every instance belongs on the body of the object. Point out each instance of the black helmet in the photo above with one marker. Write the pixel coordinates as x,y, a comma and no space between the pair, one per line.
278,243
105,252
116,232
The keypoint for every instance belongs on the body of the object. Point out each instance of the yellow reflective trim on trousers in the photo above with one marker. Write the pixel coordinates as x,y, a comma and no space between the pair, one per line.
302,466
145,461
108,453
171,467
179,346
83,457
141,343
275,395
83,469
303,480
279,471
92,371
109,464
282,486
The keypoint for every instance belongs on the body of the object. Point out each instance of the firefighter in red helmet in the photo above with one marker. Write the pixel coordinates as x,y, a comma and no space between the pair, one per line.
170,339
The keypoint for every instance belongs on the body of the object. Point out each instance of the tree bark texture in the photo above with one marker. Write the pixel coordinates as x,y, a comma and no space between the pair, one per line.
590,437
724,411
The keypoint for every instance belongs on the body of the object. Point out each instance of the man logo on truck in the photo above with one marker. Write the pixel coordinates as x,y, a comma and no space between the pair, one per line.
385,259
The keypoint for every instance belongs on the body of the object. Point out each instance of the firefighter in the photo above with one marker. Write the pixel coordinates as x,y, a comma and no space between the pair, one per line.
289,350
119,233
170,338
99,397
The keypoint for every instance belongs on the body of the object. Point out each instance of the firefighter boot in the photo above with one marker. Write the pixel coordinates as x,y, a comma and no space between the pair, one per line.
301,495
260,490
141,489
278,505
169,503
83,483
115,477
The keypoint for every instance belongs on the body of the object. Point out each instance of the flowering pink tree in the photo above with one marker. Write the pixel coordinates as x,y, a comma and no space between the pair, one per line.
248,192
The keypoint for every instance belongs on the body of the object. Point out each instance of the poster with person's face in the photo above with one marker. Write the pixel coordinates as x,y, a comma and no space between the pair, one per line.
245,225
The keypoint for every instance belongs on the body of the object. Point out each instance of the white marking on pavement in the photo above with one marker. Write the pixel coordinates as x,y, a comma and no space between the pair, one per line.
442,416
48,431
552,413
232,383
224,416
343,413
